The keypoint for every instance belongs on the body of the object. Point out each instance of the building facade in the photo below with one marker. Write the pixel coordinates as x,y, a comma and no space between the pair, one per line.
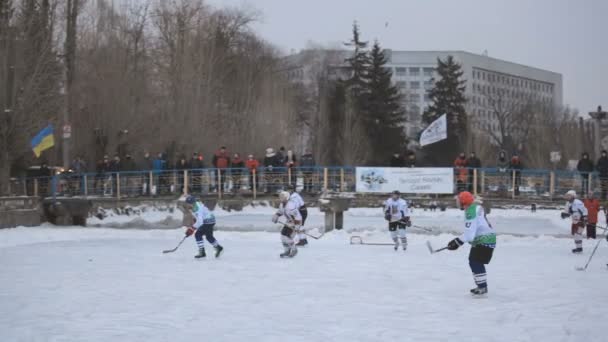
488,81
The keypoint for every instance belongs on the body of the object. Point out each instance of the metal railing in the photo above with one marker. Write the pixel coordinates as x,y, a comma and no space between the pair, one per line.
489,182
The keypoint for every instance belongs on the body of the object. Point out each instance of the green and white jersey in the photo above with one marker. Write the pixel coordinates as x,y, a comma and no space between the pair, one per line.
478,231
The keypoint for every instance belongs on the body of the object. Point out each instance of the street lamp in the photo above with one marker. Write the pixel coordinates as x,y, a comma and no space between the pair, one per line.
597,116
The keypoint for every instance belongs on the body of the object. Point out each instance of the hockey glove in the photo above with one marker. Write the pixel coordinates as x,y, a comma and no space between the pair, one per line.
454,244
275,218
406,221
387,216
190,231
565,215
585,221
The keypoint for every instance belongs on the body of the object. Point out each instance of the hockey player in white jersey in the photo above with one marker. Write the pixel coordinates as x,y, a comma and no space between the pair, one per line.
576,210
293,222
204,221
295,196
480,234
397,213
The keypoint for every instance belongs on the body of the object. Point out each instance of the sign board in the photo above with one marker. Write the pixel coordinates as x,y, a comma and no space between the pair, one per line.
556,157
436,131
407,180
67,131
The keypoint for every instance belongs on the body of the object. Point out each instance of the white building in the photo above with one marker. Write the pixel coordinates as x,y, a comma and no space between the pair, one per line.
413,73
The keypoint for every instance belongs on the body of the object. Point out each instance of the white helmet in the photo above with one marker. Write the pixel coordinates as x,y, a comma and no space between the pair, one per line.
284,196
571,193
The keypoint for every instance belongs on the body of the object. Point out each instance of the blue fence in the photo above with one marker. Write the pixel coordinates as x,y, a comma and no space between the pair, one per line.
489,182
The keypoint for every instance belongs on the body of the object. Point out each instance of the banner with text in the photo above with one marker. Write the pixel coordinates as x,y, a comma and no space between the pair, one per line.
406,180
436,131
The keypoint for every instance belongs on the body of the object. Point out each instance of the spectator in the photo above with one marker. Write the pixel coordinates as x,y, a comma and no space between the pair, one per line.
397,160
502,163
237,171
129,180
158,166
593,207
146,164
181,166
78,165
271,162
102,167
252,165
196,162
602,168
307,164
516,166
411,159
460,165
290,163
281,156
473,163
221,161
44,173
115,168
128,164
585,167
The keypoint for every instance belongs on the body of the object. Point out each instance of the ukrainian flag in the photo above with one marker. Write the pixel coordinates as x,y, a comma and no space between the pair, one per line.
43,140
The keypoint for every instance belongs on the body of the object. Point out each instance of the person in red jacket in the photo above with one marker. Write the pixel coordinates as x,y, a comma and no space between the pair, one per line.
252,165
462,173
221,161
593,207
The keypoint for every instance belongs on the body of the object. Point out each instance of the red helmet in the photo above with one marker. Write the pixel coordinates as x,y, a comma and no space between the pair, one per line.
465,198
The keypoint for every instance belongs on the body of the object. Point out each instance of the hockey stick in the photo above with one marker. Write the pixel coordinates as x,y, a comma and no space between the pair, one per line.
176,247
433,251
357,240
591,256
423,228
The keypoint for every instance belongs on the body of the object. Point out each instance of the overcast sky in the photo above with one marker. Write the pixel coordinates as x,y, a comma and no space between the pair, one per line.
566,36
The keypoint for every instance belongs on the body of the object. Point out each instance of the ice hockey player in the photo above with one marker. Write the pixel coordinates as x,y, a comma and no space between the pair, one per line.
576,210
480,234
295,196
397,213
293,221
203,225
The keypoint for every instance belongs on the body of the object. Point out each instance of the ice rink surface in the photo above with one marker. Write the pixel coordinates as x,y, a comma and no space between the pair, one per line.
100,284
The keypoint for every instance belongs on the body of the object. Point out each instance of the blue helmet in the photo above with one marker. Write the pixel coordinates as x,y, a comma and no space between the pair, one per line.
190,199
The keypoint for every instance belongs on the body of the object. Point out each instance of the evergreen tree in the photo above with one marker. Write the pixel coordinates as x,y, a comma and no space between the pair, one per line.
384,114
447,96
358,63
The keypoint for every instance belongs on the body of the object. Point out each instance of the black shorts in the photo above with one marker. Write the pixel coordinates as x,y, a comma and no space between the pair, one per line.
287,231
392,226
481,254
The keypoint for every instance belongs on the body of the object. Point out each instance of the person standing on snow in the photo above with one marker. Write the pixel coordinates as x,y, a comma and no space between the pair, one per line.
295,196
203,226
293,223
577,211
593,208
480,234
397,213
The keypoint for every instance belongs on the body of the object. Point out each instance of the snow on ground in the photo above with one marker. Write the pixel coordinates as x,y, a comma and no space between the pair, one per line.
99,284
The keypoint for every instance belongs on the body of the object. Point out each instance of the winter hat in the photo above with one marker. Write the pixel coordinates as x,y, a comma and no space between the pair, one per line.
270,152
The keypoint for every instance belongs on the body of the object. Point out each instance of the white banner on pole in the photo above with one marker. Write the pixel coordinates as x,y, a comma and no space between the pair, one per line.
436,131
406,180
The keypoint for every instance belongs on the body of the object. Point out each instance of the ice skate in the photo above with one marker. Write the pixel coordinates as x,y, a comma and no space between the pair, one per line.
302,242
218,251
201,253
479,291
577,250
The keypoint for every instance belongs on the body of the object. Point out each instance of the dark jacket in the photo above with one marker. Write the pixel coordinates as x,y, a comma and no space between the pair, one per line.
474,162
397,161
272,161
129,165
197,163
602,167
502,163
585,165
410,161
146,164
307,161
182,165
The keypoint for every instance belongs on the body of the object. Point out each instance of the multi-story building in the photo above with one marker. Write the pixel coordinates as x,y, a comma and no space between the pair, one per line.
486,79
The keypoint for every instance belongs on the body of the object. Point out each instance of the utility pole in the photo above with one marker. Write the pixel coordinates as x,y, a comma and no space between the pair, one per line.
597,116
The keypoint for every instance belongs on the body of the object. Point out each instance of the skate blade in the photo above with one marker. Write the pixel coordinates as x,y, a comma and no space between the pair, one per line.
479,296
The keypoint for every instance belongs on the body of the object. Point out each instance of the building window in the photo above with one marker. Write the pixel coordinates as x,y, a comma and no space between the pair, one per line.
415,97
400,71
414,110
428,84
414,71
427,98
401,84
415,85
428,71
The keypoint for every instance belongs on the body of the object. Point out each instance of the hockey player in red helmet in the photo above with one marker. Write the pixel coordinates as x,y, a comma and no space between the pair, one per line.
480,234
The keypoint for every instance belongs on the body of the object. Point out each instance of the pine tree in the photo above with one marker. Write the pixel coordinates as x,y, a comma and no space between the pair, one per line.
384,114
447,97
358,63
